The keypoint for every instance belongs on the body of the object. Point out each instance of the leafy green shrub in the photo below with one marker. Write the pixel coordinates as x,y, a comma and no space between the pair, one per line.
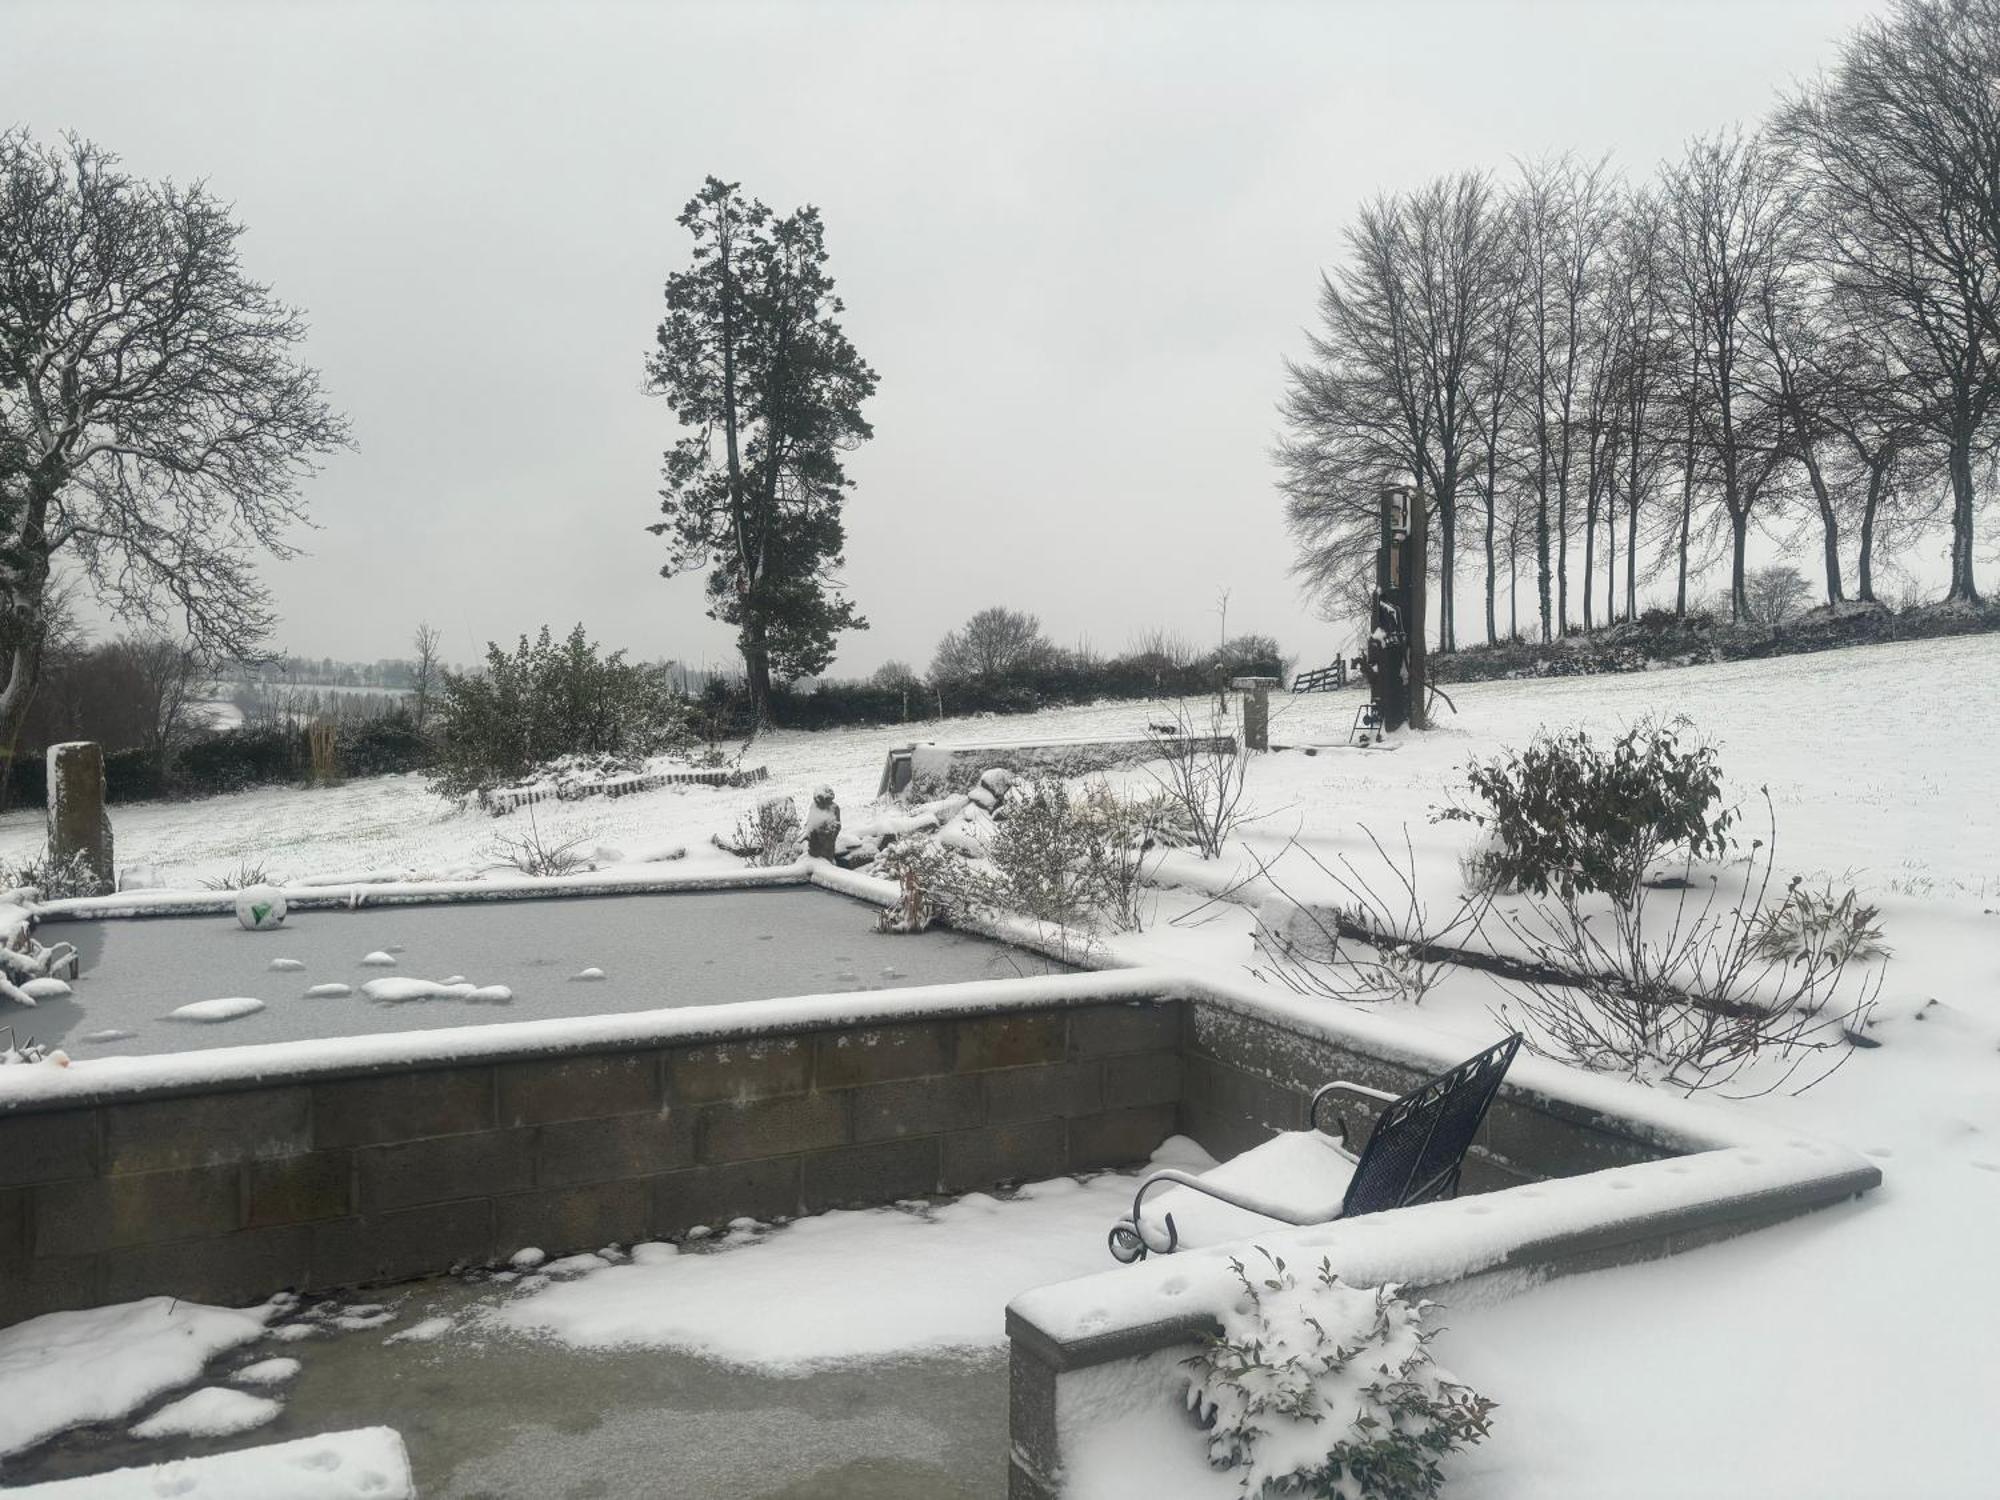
1342,1374
1568,816
548,699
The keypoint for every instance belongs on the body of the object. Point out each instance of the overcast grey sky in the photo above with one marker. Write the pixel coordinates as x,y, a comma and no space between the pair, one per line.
1076,241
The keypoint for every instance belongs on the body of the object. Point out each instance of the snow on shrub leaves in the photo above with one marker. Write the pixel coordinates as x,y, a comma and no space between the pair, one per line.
1569,816
1330,1391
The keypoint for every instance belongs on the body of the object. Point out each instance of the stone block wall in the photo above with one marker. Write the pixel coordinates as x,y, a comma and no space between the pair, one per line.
1246,1079
332,1181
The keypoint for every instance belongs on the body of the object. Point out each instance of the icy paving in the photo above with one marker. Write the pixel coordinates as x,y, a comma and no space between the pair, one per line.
852,1356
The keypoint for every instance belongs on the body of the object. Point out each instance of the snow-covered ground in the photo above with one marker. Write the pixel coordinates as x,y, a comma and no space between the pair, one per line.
1841,1355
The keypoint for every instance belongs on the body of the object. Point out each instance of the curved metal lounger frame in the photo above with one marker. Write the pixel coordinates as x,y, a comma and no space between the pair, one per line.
1128,1237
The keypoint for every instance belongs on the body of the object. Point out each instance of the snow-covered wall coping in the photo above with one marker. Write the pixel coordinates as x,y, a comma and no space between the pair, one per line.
101,1079
1166,1298
420,892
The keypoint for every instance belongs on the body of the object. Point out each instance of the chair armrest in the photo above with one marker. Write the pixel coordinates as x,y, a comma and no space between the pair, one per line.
1131,1232
1342,1086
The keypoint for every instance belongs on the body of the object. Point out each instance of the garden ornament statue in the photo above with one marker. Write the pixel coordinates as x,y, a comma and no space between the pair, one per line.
822,825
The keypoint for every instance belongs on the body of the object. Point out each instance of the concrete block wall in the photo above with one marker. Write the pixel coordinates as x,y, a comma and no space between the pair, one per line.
335,1181
1245,1079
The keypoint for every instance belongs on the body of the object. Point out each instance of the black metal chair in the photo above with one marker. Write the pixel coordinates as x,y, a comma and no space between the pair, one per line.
1414,1155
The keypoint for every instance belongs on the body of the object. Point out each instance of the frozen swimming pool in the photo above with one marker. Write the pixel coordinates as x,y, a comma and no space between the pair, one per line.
653,950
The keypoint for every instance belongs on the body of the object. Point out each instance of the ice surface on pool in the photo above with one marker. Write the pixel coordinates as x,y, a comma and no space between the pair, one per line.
688,948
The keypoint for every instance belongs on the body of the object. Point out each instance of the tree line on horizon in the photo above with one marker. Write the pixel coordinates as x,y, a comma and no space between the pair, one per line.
1602,384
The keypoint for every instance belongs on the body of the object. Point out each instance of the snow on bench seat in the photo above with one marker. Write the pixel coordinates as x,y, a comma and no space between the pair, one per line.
367,1463
1300,1172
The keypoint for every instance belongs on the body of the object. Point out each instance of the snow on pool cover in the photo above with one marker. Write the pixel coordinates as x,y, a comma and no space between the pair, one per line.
464,963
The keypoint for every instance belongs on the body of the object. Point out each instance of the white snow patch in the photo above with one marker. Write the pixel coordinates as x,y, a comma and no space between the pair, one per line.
212,1411
400,991
379,960
46,988
575,1265
428,1331
267,1372
839,1286
287,965
368,1463
329,991
527,1258
230,1009
64,1369
109,1034
591,973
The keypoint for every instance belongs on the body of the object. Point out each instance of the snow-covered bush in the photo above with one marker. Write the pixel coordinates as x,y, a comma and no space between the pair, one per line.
1381,941
1072,860
1707,983
1813,927
249,872
57,877
533,854
549,699
936,880
1200,780
769,836
1329,1390
1568,816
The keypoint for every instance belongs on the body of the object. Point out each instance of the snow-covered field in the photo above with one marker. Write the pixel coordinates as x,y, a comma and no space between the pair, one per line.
1847,1354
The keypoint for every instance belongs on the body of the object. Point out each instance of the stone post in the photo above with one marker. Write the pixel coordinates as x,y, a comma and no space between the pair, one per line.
78,823
1256,693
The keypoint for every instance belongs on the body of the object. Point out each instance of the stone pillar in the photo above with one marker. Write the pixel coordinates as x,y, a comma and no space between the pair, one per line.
78,823
1256,693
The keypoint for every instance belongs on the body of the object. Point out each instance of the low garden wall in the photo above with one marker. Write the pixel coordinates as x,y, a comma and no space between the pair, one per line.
210,1178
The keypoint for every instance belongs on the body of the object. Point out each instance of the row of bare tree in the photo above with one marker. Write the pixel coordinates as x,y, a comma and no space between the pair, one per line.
1599,383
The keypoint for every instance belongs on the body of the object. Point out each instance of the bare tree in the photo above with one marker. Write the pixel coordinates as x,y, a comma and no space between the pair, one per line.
168,676
1392,389
1775,593
154,426
1566,212
992,643
1734,214
1902,142
426,671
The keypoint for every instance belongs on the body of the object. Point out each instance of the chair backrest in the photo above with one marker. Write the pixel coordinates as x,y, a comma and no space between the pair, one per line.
1418,1145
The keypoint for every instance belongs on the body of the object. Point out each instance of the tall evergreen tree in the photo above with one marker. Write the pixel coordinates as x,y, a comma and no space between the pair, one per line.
753,362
